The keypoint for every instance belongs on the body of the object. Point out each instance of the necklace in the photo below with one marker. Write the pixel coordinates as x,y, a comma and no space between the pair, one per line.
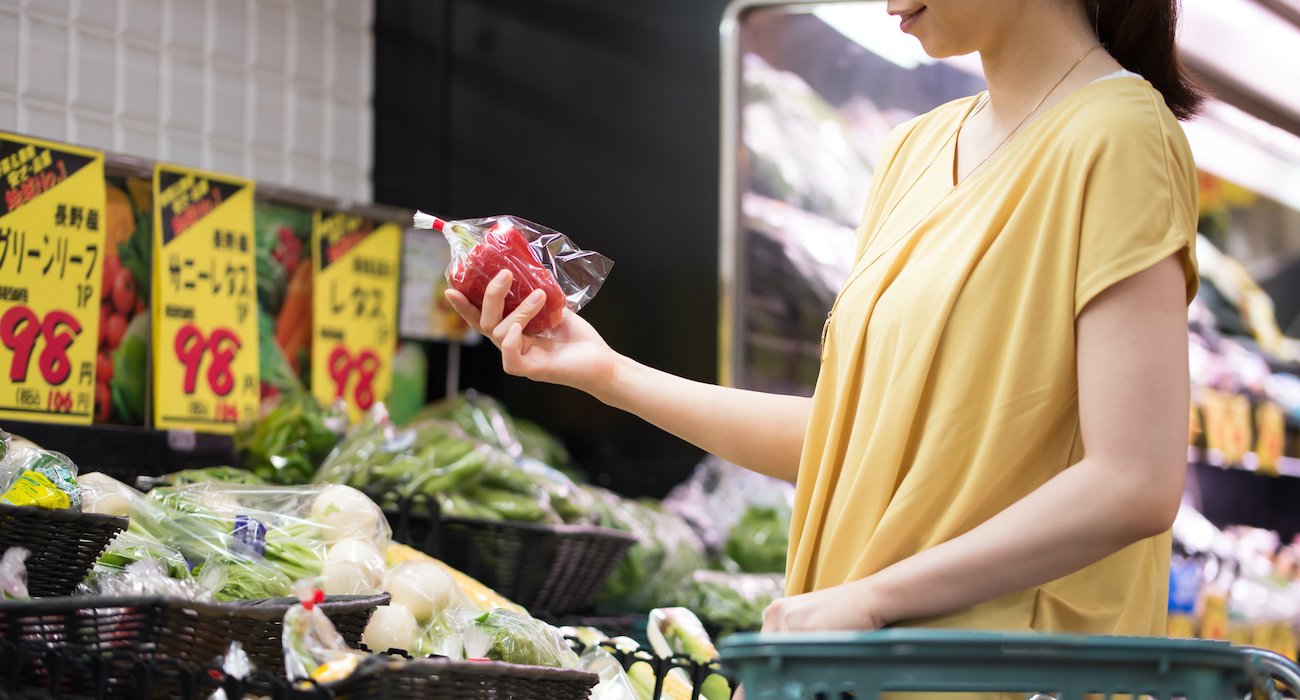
978,107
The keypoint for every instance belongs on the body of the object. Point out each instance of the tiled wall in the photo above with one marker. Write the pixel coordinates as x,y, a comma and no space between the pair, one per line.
277,90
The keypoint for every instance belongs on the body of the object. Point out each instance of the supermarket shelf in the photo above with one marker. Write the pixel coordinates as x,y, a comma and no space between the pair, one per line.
125,452
1287,466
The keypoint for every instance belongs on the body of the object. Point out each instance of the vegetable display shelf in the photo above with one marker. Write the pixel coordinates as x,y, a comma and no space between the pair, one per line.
126,452
167,628
443,679
61,545
548,569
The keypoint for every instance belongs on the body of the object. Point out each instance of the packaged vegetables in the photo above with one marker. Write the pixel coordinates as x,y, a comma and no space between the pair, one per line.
13,574
291,439
35,477
539,258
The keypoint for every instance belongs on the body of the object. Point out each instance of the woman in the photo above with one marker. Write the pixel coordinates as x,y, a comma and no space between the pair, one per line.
997,436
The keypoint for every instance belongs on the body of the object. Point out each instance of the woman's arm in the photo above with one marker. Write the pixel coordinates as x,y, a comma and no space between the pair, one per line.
1133,394
758,431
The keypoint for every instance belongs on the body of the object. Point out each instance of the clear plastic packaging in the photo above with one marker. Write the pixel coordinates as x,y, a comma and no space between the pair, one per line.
36,477
678,631
313,649
13,574
538,257
255,540
516,638
235,664
729,602
667,551
718,495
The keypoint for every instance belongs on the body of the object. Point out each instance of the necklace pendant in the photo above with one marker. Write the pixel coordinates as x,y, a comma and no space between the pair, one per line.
826,329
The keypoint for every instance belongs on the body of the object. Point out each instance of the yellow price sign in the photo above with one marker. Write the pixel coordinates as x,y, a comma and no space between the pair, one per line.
354,308
1270,436
51,260
205,302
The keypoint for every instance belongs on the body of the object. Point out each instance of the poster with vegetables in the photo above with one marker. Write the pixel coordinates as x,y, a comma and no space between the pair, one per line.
283,296
51,257
354,308
122,379
205,349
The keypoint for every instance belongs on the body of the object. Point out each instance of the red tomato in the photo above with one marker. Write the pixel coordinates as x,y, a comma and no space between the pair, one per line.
112,265
105,310
114,329
139,306
104,367
103,401
124,291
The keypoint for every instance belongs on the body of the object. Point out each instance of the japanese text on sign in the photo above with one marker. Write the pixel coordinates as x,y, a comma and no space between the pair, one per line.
51,250
354,308
206,338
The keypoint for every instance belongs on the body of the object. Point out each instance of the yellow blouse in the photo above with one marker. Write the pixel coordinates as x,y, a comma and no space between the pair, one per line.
948,388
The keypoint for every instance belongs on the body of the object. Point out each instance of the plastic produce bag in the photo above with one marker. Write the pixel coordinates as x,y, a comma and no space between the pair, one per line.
235,664
41,478
516,638
538,257
312,647
718,494
729,602
667,551
677,631
290,440
13,574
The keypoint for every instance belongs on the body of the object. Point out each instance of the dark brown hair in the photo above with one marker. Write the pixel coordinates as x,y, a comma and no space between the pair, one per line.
1140,35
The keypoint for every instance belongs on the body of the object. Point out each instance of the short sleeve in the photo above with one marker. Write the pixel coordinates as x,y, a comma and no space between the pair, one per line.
1139,200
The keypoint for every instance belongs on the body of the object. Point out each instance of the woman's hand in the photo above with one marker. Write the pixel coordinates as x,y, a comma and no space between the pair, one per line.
851,606
572,353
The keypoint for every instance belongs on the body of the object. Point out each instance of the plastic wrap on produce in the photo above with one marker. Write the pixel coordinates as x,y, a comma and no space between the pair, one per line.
292,437
666,552
13,574
250,541
313,648
729,602
32,476
719,494
516,638
539,258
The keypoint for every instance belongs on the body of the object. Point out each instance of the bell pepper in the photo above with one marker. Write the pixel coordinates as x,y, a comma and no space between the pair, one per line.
503,247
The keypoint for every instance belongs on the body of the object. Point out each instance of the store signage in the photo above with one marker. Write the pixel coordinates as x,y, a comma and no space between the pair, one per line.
354,308
205,302
1270,436
51,261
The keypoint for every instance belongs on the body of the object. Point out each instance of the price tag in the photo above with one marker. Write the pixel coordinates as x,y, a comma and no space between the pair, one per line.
51,259
354,308
1270,434
205,304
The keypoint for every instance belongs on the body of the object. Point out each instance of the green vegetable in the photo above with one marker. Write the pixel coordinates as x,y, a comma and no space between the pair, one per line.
520,639
288,443
729,602
667,551
759,540
203,475
130,360
510,506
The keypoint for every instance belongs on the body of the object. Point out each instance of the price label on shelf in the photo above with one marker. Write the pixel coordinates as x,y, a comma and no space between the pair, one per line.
205,302
51,259
1270,435
354,308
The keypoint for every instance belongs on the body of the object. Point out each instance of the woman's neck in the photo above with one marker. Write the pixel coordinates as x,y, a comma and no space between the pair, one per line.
1024,63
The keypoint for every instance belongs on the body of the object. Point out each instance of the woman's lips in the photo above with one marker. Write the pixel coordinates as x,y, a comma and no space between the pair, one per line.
909,19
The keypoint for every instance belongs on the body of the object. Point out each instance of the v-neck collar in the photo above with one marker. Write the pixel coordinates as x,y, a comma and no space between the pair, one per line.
954,183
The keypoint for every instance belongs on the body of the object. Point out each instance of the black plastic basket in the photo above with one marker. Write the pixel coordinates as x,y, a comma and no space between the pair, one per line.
696,673
443,679
166,628
62,545
549,569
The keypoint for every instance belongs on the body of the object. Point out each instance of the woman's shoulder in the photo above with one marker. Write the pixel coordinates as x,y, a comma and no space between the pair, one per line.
1123,113
925,132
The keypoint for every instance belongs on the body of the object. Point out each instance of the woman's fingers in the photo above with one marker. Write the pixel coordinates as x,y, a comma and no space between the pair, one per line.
494,300
512,350
520,316
464,307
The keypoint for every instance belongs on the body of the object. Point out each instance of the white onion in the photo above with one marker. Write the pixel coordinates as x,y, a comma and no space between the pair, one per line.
352,567
343,512
391,627
422,586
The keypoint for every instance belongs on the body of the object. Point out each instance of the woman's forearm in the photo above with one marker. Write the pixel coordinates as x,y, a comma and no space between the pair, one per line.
1087,512
759,431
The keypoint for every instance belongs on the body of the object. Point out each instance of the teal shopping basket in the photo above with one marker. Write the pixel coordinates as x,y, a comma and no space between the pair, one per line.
840,665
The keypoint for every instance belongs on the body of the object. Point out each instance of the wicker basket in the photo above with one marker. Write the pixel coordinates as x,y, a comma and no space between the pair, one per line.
441,679
165,628
549,569
62,545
